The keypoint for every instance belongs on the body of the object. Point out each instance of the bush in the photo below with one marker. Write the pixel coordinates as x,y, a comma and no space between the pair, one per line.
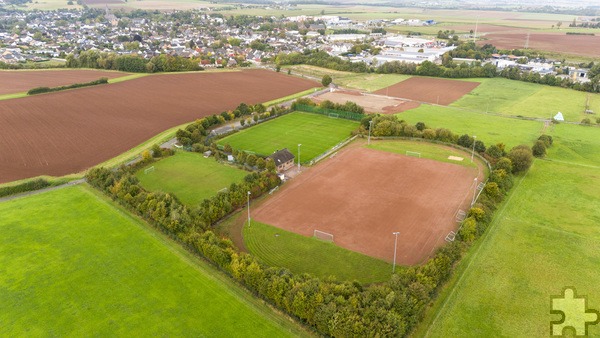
326,80
505,164
547,139
586,121
24,187
539,148
521,158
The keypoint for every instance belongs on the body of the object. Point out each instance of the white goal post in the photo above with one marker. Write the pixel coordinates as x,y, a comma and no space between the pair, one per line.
324,236
149,170
333,115
413,154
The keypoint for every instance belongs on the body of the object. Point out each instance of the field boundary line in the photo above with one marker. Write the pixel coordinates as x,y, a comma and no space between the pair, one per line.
43,190
490,234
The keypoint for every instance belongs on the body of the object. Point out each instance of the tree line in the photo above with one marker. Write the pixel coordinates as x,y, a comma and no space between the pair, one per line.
332,308
40,90
132,63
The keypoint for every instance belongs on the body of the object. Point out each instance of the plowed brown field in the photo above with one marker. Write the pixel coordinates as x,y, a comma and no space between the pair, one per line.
16,81
430,90
362,196
66,132
583,45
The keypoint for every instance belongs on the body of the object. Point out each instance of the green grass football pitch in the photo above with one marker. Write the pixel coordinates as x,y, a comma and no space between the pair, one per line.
316,133
301,254
73,264
190,177
545,237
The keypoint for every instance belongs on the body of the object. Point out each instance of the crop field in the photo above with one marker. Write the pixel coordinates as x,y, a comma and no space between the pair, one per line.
430,90
93,267
363,195
15,81
67,132
316,133
301,254
581,45
190,177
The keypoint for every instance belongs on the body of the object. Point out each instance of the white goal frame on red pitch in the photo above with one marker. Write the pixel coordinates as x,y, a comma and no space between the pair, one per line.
322,235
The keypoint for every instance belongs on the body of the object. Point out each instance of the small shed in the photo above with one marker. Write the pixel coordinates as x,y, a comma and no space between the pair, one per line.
559,117
283,159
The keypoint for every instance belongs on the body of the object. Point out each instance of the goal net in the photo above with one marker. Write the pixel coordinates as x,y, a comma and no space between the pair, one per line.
334,115
413,154
149,170
324,236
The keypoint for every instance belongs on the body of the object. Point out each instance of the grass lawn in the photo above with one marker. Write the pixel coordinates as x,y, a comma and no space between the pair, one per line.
511,97
190,177
316,133
544,238
300,254
92,268
428,150
490,129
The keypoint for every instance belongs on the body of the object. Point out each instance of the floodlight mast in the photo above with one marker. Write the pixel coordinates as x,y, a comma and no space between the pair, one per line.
248,198
370,126
299,144
395,247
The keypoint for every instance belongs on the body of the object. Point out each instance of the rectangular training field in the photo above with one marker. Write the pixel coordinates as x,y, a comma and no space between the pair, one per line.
430,90
316,133
190,176
16,81
67,132
362,195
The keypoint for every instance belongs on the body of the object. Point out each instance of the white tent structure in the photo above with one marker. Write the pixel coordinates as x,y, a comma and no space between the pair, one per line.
559,117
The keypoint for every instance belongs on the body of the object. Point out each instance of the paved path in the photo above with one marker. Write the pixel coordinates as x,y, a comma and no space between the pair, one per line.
35,192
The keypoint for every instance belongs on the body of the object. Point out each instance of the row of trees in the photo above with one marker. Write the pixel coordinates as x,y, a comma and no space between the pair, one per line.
40,90
131,63
332,308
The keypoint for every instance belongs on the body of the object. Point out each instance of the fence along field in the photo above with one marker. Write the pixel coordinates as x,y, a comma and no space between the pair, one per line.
67,132
363,195
316,133
95,268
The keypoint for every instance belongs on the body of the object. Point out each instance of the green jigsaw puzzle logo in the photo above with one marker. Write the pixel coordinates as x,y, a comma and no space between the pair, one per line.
574,313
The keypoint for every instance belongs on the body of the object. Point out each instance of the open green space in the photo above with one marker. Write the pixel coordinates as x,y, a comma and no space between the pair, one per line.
316,133
92,268
488,128
425,149
519,98
189,176
299,254
545,237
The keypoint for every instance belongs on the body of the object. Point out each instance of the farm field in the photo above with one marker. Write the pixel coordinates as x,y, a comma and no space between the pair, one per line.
301,254
190,177
535,248
316,133
67,132
356,197
488,128
93,267
16,81
527,99
430,90
580,45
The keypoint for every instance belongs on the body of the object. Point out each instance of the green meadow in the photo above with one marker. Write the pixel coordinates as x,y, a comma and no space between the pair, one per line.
93,269
189,176
544,237
316,133
301,254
